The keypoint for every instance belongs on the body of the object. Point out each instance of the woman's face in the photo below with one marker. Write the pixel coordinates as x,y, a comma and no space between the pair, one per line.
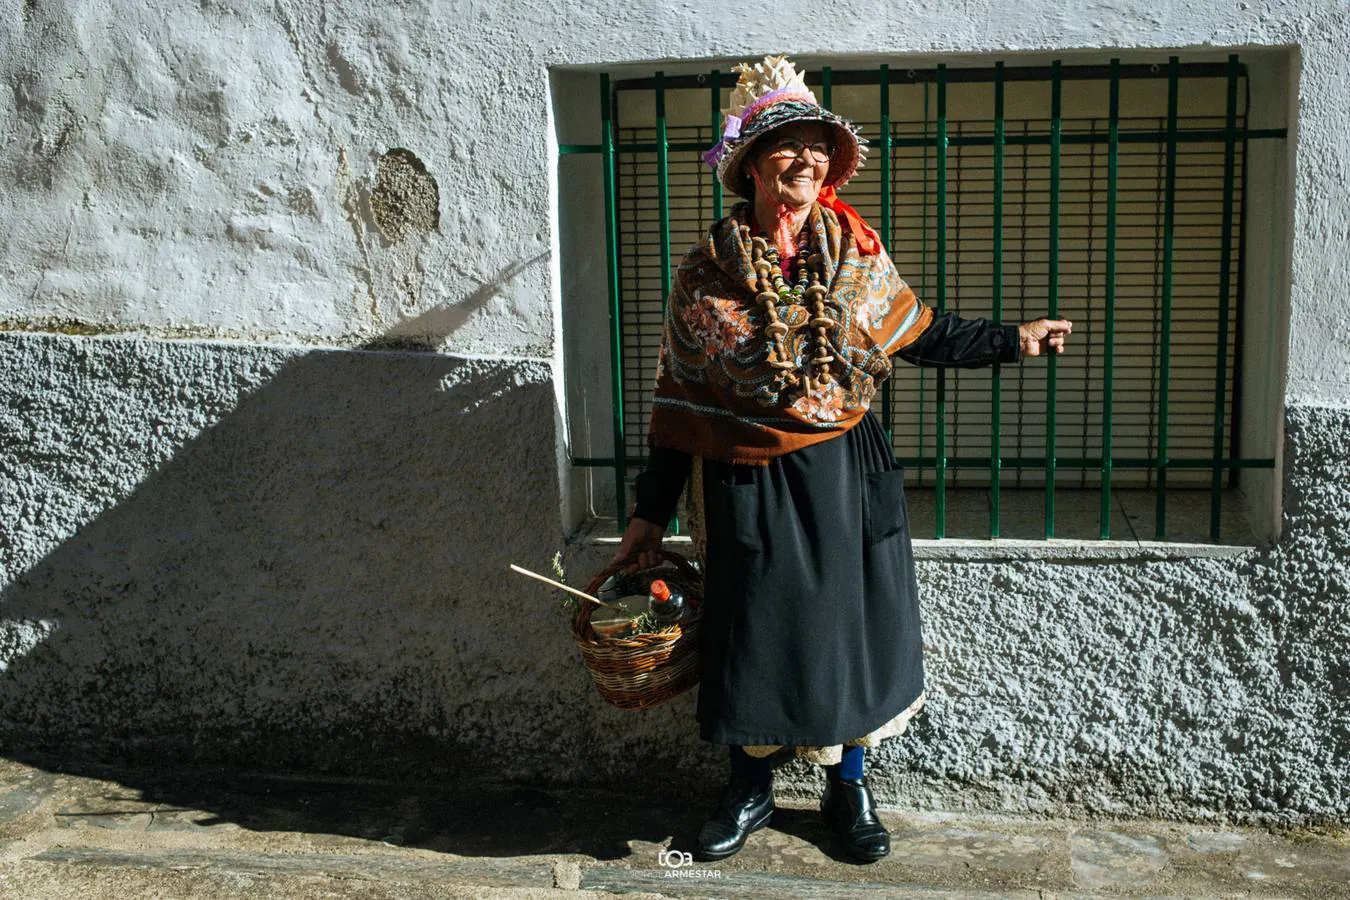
789,164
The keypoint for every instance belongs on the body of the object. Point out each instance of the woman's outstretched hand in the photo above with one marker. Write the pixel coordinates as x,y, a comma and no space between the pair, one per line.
1044,336
641,537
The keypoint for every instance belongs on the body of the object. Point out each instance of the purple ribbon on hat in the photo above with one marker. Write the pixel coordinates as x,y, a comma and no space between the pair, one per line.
732,129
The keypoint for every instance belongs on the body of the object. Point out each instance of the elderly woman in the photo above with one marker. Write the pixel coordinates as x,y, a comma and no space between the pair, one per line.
780,327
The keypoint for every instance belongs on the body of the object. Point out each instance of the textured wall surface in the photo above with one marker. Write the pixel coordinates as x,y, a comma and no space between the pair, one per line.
267,554
234,531
1177,688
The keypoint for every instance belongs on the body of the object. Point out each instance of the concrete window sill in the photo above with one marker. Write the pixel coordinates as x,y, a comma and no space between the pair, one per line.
963,550
1077,513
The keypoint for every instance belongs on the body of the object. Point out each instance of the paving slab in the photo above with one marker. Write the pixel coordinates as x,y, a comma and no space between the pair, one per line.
104,831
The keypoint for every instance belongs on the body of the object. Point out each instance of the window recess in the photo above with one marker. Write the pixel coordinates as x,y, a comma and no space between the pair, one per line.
1113,195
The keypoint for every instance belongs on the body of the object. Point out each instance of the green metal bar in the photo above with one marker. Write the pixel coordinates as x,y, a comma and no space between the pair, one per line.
1165,338
940,476
1109,328
1092,462
996,386
923,261
885,104
826,82
1225,262
1240,291
1022,268
1184,136
1011,462
715,97
663,186
984,75
1056,126
615,322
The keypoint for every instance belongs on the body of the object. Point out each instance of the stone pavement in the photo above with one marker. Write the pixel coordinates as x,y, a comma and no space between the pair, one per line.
102,832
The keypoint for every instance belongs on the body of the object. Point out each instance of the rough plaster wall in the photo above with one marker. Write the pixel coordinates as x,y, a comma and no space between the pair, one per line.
1178,688
268,555
224,160
250,553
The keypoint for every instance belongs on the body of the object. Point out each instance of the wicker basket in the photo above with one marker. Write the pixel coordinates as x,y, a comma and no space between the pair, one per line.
643,670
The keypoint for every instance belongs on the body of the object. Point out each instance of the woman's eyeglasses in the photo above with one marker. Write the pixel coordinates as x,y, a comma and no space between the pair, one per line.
817,151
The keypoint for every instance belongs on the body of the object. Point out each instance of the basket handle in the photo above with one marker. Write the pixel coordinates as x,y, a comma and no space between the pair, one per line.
685,567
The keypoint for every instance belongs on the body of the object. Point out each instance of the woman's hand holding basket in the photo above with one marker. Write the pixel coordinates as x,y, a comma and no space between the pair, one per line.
644,539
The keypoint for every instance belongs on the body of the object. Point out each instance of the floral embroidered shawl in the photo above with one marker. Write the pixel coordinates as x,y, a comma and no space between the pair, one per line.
715,394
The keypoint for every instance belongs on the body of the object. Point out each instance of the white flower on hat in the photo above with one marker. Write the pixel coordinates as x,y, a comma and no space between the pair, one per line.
774,73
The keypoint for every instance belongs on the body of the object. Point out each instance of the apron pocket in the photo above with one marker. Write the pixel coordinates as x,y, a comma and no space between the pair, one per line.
737,496
887,514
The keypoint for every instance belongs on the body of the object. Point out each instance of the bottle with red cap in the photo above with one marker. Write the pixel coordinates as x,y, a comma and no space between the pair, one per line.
666,603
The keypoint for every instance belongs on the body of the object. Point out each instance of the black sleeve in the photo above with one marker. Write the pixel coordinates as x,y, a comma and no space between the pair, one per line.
660,484
966,343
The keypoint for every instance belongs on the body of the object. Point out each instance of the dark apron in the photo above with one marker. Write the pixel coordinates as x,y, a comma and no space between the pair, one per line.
810,633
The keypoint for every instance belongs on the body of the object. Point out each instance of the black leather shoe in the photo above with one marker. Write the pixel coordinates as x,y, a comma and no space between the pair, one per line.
849,809
745,807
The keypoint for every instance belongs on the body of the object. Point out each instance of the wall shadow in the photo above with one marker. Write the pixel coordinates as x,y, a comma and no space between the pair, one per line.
295,560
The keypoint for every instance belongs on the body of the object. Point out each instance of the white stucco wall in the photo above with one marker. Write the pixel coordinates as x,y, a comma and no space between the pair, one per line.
219,158
224,546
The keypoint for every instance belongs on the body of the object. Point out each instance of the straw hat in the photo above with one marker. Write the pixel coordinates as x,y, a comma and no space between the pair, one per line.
768,95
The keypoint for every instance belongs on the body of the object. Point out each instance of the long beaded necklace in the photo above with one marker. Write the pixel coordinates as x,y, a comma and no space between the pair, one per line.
774,289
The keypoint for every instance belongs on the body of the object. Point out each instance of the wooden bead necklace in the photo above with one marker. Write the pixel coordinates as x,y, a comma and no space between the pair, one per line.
771,290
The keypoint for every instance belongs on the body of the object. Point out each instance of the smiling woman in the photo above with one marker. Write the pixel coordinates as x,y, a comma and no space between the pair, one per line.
788,174
779,328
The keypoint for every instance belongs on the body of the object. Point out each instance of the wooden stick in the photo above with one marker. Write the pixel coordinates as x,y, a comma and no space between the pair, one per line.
562,587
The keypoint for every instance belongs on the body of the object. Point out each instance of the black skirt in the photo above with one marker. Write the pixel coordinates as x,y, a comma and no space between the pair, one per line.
810,633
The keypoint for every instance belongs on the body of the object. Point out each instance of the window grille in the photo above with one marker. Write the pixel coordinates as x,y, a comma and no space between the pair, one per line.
996,202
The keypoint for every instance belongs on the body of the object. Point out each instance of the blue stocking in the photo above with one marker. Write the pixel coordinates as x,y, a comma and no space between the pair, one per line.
850,765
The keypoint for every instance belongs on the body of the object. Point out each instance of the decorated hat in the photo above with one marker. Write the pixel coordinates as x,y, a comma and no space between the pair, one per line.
768,95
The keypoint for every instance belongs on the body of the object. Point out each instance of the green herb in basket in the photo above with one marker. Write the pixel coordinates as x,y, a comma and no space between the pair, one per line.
648,623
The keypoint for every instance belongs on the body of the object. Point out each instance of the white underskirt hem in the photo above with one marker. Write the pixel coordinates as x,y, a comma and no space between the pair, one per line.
829,756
